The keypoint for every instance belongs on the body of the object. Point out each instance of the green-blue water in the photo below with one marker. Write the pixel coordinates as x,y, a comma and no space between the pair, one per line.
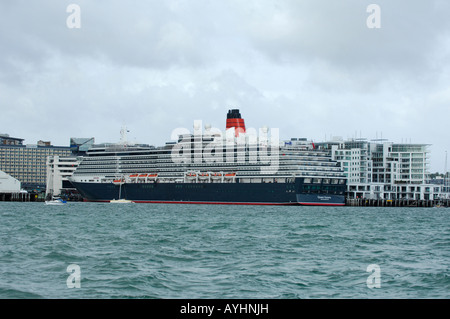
203,251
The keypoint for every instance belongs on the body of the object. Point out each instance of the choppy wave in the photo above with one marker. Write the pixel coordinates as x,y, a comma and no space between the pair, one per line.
12,293
190,251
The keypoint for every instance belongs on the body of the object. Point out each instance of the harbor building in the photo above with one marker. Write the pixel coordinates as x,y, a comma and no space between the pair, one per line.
10,189
27,163
379,169
59,169
80,145
8,184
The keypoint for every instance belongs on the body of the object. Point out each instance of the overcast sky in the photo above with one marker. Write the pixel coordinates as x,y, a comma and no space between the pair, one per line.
310,68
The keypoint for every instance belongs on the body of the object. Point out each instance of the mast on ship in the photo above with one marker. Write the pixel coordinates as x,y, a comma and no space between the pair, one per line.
445,174
123,135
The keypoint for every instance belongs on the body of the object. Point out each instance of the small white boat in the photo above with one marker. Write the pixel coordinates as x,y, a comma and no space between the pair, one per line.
121,201
55,201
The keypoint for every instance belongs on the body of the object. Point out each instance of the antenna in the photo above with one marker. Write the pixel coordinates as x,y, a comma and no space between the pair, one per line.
123,135
445,167
445,170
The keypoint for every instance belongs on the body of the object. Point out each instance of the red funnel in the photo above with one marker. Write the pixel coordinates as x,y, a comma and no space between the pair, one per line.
234,120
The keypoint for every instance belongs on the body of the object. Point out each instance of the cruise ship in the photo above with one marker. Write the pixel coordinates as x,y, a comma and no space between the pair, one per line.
240,166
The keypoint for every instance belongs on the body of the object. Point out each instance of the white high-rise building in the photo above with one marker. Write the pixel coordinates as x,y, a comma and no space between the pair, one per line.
380,169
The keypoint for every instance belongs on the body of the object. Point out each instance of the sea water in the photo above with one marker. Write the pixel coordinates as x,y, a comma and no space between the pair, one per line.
102,250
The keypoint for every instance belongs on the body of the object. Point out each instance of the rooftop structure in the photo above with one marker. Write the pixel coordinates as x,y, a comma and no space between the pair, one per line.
80,146
5,139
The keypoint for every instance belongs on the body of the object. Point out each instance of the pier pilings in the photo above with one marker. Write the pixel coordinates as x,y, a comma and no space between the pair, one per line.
362,202
19,197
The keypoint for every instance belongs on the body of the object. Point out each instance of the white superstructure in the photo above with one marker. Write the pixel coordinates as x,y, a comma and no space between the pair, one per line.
198,160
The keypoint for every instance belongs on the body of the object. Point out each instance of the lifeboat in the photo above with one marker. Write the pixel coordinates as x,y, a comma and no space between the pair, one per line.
118,181
203,175
230,174
216,175
143,175
152,175
133,175
191,175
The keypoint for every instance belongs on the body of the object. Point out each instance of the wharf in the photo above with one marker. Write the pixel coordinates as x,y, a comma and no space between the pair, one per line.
362,202
356,202
20,197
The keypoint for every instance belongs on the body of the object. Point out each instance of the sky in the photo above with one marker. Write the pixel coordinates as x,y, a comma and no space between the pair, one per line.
312,69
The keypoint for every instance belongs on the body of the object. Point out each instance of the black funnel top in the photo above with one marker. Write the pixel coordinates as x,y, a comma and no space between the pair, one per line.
233,114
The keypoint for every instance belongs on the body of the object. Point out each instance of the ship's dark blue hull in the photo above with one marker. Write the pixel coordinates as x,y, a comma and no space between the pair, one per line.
213,193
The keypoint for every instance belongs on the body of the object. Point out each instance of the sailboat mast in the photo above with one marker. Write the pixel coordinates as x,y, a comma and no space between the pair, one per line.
121,181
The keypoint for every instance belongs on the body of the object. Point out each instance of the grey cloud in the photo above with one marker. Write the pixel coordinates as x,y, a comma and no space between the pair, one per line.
135,33
336,31
309,68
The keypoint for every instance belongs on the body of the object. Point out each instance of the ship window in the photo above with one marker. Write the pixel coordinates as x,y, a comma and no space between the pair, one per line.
317,180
